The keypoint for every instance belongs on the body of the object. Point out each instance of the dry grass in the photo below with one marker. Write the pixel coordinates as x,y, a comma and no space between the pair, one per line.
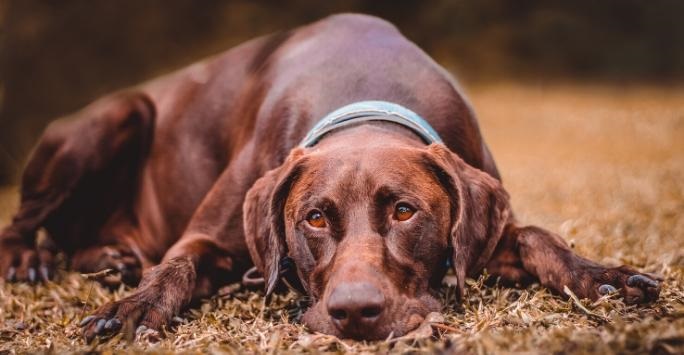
604,166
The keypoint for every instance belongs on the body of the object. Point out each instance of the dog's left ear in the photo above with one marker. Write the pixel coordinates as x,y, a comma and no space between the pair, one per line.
480,211
263,217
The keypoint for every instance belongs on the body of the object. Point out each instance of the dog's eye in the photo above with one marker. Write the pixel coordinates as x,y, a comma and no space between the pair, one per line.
315,219
403,212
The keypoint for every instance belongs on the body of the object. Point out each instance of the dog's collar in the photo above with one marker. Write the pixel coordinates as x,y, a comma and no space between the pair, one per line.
371,111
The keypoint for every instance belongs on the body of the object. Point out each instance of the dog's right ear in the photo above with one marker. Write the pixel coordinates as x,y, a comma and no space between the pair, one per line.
263,217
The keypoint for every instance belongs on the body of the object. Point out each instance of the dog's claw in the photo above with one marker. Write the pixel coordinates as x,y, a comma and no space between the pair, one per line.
121,267
606,289
641,281
112,324
32,275
100,326
45,273
11,274
85,321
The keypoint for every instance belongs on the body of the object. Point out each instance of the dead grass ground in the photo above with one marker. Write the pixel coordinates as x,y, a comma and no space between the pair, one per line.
603,166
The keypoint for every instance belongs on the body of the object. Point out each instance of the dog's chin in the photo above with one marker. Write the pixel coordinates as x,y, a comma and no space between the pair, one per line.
398,321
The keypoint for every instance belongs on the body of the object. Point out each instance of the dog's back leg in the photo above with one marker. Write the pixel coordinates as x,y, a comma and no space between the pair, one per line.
82,170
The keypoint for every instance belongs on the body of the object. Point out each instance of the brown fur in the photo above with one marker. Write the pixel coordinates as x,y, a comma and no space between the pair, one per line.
190,179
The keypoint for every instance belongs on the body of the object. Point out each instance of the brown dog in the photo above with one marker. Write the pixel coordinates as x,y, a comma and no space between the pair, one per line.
202,174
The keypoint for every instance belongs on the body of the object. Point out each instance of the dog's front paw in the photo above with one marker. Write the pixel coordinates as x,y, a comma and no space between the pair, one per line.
163,292
142,310
21,262
633,286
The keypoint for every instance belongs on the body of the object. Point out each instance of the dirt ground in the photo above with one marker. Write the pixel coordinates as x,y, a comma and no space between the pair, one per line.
601,165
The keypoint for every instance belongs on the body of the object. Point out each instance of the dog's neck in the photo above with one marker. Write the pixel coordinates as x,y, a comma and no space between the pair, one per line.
363,112
371,133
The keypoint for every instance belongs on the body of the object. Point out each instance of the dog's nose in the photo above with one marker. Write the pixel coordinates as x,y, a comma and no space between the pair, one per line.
355,306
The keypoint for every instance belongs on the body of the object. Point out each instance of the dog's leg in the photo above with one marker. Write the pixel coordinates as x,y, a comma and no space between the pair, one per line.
211,253
165,290
506,266
63,186
531,252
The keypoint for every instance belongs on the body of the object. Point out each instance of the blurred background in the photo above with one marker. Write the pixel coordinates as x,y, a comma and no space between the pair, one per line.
56,56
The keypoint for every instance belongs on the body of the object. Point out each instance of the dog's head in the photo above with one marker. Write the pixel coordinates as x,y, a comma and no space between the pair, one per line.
371,229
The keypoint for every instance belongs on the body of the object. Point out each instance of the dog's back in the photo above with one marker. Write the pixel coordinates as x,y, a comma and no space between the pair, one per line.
263,96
